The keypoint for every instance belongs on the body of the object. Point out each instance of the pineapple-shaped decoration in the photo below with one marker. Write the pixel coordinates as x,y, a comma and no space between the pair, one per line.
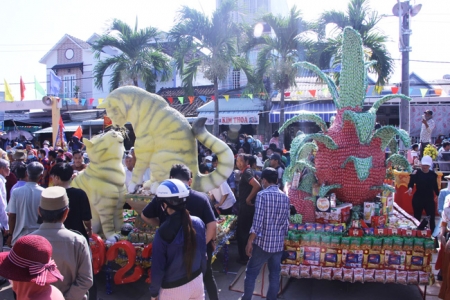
350,158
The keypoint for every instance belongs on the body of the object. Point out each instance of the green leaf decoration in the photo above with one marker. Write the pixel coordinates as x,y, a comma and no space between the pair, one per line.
299,165
399,162
364,123
393,146
331,85
324,189
296,144
384,187
384,99
353,74
307,182
387,133
305,117
305,150
362,166
324,139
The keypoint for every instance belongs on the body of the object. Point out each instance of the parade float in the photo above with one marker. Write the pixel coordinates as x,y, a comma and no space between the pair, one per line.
348,226
122,242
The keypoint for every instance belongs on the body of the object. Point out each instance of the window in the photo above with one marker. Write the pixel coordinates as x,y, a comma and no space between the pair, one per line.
236,79
69,85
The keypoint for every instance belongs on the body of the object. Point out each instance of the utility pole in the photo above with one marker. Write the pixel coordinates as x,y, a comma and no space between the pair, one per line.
405,49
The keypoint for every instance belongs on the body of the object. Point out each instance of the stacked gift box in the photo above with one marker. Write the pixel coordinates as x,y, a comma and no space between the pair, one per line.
381,245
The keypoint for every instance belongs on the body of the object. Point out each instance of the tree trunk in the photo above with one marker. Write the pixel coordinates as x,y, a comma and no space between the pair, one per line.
216,108
281,138
268,131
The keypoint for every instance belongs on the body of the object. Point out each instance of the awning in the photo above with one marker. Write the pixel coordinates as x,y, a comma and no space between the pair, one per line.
324,109
232,117
69,127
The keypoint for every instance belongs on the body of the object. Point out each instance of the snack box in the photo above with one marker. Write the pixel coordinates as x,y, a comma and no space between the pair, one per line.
423,233
343,210
352,258
355,232
378,221
409,232
373,259
417,261
369,211
394,259
330,257
310,255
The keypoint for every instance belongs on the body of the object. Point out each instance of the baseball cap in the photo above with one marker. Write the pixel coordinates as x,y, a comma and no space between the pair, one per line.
208,158
426,160
276,156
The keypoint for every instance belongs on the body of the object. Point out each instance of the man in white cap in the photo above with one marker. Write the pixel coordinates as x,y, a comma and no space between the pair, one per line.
70,249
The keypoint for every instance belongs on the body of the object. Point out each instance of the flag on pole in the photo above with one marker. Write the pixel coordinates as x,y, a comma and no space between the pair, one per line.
22,89
78,133
106,122
61,140
55,83
38,90
8,94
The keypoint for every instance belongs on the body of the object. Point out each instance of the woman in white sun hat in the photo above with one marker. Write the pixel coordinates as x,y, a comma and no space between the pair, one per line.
426,190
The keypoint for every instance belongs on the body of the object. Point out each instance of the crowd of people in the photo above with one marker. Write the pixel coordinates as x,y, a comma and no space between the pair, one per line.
37,204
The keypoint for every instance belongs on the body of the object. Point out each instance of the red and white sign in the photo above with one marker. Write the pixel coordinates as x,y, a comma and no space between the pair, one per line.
234,119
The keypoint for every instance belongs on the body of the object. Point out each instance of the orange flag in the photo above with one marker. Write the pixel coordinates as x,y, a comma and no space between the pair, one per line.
78,133
170,99
106,122
394,89
191,99
22,89
312,92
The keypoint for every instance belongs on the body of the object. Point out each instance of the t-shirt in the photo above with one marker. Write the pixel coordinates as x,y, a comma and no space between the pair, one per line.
80,211
80,168
426,184
197,204
245,188
224,189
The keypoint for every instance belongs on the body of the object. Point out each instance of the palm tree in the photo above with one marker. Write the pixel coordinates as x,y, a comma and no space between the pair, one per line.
281,50
360,17
206,43
140,57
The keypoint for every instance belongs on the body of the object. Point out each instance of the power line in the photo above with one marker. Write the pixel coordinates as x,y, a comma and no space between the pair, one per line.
426,61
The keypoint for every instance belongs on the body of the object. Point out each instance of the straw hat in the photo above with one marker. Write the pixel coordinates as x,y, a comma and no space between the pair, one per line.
19,155
30,260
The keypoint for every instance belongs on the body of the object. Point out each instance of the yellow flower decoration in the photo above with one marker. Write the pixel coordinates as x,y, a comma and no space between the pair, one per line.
430,151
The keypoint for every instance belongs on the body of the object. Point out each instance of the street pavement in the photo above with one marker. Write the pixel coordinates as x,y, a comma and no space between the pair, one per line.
296,288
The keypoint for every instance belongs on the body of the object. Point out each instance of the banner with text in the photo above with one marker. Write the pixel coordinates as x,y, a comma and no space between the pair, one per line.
233,119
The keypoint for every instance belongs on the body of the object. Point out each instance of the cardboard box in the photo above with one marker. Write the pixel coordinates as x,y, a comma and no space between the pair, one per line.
369,211
395,259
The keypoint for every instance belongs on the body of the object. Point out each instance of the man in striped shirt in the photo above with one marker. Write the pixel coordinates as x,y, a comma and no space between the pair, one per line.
266,241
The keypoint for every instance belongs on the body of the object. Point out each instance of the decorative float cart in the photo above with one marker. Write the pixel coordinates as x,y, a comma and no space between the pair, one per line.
134,245
349,227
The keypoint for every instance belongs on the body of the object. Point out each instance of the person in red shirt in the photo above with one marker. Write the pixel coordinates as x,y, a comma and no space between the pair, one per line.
46,163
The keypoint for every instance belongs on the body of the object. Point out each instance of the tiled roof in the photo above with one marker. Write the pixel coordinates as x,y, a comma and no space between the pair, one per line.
203,90
188,110
79,42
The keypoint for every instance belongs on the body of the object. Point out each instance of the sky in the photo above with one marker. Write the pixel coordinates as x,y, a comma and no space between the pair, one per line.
31,28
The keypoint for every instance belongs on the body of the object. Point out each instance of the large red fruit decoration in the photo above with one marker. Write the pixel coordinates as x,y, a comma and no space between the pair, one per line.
350,158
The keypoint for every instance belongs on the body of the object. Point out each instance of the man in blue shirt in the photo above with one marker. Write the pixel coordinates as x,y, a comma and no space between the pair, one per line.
266,241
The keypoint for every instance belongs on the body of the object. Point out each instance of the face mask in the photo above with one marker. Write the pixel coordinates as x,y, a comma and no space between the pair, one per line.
242,141
40,156
250,140
209,165
30,156
45,146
